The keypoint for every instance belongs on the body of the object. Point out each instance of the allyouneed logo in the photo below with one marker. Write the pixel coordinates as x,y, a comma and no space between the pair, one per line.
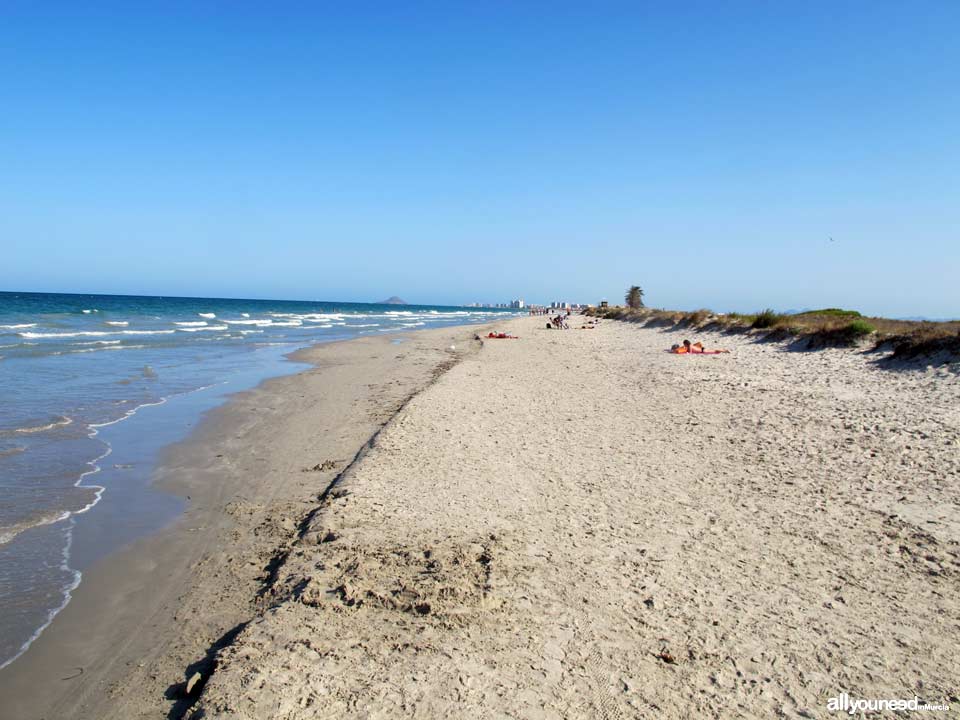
851,706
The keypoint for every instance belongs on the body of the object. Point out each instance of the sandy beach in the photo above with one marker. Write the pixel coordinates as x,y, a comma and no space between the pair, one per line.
571,524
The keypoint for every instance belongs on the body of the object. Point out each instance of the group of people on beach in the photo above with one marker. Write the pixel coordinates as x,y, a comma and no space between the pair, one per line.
560,322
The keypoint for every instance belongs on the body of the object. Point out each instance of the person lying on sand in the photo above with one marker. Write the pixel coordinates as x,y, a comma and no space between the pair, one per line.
502,336
696,348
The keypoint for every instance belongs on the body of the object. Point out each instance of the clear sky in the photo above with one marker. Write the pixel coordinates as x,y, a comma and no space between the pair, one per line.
458,151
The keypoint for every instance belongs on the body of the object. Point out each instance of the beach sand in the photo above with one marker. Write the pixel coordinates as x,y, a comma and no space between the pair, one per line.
576,524
573,524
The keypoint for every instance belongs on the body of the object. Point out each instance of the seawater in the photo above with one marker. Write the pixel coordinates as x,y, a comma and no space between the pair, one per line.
93,386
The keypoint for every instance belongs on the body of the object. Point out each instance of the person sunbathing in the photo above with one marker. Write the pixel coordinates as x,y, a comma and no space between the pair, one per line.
502,336
696,348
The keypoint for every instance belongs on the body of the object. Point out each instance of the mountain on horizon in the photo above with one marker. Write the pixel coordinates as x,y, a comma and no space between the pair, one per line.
393,300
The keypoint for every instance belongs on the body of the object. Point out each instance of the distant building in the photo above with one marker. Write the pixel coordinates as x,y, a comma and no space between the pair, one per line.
517,304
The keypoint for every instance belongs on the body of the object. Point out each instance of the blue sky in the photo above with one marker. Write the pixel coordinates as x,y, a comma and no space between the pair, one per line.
451,152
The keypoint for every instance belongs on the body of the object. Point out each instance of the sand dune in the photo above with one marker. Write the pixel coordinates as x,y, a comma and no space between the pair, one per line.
576,524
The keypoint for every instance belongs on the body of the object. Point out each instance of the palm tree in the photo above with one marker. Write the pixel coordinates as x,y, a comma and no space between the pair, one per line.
634,297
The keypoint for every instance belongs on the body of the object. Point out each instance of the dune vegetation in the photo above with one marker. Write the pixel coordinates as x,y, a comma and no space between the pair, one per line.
812,329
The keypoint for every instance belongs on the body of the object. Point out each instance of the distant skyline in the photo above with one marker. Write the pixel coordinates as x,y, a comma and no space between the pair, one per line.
731,156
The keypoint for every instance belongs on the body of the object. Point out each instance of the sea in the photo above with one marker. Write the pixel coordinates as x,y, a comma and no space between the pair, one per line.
92,387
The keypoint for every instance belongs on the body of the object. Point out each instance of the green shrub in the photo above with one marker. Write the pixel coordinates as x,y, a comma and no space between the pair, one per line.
698,317
833,312
766,319
857,329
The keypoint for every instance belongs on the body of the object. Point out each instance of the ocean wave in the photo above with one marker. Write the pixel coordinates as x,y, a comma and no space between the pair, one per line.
249,322
67,596
9,532
18,326
365,325
311,317
118,323
93,333
198,323
12,451
199,329
87,312
83,333
415,324
99,348
398,312
57,421
321,317
245,314
249,332
207,315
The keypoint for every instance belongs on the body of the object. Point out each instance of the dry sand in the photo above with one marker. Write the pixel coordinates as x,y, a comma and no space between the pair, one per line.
576,524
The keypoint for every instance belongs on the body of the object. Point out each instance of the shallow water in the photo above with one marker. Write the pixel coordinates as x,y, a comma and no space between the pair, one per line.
93,387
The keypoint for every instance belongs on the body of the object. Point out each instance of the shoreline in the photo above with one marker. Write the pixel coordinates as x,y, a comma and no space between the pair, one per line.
96,631
137,509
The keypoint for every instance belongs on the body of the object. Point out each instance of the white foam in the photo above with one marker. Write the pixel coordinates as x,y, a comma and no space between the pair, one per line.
322,317
19,326
191,324
118,323
67,595
98,348
61,421
87,312
199,329
86,333
207,315
93,333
